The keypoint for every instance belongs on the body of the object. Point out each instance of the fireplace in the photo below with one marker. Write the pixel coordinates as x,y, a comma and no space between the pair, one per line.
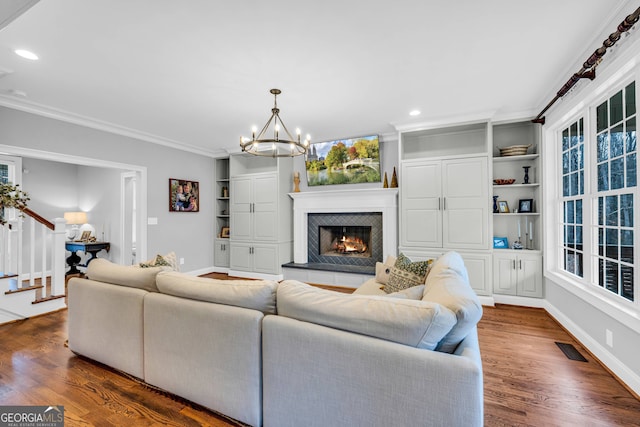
345,238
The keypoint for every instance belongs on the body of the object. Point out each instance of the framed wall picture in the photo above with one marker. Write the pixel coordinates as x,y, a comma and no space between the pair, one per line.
503,206
500,243
184,195
525,205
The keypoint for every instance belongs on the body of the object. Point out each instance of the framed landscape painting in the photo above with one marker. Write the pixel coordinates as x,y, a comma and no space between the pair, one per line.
184,195
344,161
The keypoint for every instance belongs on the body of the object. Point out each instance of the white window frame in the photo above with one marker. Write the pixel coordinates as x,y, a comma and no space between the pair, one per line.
587,288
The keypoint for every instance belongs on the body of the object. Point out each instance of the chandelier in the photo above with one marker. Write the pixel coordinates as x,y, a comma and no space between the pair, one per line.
275,146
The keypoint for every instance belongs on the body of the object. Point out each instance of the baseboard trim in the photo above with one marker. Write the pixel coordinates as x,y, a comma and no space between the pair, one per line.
625,376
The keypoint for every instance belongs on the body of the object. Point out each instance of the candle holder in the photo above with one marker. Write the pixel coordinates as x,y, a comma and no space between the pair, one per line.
526,174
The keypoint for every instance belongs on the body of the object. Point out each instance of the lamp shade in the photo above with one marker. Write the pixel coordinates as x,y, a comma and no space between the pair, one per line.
75,218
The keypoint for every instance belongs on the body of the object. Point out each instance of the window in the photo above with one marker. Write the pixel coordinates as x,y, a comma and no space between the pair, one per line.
616,181
605,209
572,193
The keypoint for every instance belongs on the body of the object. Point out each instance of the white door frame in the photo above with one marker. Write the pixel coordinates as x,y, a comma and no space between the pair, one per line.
141,182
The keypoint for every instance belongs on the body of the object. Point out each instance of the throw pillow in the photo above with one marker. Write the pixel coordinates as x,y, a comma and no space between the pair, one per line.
168,260
406,274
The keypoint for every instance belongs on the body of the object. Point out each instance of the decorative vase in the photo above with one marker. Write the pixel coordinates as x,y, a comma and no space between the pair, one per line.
385,184
495,204
296,182
526,174
394,179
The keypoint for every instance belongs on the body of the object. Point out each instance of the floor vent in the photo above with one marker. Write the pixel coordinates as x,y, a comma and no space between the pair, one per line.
571,352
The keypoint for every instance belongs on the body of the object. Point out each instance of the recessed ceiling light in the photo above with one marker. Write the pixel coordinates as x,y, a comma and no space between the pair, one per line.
26,54
414,113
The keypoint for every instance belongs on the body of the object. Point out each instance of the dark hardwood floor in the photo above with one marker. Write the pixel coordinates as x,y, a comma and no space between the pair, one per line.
528,380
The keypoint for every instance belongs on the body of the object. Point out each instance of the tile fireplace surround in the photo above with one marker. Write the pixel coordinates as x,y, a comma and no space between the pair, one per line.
382,200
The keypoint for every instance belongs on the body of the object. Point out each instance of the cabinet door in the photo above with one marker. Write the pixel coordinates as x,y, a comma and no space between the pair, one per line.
221,253
240,256
265,259
465,203
479,270
530,276
421,218
265,208
241,224
504,274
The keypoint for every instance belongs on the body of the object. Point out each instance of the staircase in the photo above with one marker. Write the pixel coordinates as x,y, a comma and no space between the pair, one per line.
32,266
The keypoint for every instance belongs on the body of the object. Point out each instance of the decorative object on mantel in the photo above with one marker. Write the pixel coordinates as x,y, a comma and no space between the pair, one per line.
514,150
385,184
11,197
296,182
261,145
526,174
394,179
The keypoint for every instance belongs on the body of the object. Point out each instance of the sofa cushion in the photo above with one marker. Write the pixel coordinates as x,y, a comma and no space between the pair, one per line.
383,270
406,273
255,294
373,287
103,270
448,284
420,324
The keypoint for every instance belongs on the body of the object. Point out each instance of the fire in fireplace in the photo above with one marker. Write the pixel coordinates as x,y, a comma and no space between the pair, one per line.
345,241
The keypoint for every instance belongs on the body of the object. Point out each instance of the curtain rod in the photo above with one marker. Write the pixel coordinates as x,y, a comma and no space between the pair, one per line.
588,69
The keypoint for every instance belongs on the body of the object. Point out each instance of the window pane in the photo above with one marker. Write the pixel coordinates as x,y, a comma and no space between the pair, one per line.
601,241
616,143
571,237
631,135
601,117
617,173
626,246
626,210
612,243
581,182
632,170
615,108
627,282
581,129
612,276
565,163
611,210
600,210
603,176
601,277
565,186
574,134
579,237
630,99
565,140
578,211
603,146
570,217
574,183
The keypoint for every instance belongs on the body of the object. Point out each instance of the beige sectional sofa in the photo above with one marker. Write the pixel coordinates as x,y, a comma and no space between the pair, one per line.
289,354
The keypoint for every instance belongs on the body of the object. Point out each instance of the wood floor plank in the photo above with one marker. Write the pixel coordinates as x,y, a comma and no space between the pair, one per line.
528,381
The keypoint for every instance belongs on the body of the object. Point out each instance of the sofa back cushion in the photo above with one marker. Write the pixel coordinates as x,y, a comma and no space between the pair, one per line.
420,324
255,294
448,285
103,270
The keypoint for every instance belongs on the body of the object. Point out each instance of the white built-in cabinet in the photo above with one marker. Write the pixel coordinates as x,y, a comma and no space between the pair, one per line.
444,197
445,204
517,273
261,211
221,244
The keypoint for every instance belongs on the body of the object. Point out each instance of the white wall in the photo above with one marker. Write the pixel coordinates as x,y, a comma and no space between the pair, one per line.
190,235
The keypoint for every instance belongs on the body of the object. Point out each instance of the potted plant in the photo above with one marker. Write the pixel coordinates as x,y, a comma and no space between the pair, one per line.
11,196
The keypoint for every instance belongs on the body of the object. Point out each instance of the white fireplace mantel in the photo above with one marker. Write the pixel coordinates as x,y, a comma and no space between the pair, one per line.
384,200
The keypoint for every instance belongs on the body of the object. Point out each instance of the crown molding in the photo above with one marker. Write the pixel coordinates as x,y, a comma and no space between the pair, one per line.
77,119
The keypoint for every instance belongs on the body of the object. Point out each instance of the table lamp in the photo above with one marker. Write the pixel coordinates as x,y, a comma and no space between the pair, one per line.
75,219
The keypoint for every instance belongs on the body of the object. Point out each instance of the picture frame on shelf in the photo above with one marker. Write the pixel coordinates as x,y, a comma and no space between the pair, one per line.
525,205
86,236
500,243
225,232
503,206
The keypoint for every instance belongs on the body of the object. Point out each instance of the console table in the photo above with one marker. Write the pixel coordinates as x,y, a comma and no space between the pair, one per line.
91,248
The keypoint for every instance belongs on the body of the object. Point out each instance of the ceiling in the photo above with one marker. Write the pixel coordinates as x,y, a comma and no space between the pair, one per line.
197,73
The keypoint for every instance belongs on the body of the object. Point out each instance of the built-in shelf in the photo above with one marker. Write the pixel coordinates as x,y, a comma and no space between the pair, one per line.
515,158
516,214
535,184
